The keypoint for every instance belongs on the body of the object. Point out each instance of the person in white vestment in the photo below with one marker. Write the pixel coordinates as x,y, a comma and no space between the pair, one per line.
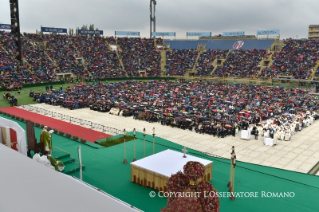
37,156
281,135
266,134
276,134
287,135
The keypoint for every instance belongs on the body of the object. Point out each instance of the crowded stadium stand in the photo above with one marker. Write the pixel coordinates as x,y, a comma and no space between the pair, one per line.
101,62
242,63
180,61
139,55
296,59
47,56
204,66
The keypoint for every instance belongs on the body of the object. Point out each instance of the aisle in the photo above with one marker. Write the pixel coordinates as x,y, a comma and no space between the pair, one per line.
81,132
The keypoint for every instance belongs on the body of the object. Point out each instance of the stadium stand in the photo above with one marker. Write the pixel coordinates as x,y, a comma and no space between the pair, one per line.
10,72
46,55
297,58
38,63
204,65
180,61
101,62
61,49
241,63
139,54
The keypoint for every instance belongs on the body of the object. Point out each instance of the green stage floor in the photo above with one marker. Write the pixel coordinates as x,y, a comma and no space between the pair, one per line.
105,170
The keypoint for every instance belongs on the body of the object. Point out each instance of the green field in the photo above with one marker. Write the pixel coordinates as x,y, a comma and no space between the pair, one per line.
104,169
23,97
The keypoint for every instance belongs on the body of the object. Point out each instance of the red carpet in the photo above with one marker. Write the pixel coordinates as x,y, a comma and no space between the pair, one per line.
81,132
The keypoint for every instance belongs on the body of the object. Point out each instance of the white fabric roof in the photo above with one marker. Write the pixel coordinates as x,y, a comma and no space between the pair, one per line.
27,185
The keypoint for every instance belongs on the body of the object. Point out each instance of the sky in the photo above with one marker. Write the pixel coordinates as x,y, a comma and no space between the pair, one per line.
291,17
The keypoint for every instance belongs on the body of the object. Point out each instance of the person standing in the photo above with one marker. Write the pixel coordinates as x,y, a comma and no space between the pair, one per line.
45,137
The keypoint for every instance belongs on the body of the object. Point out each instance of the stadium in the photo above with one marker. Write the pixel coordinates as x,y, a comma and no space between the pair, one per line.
148,120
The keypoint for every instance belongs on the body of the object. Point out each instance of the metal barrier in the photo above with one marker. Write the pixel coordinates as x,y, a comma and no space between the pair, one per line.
70,119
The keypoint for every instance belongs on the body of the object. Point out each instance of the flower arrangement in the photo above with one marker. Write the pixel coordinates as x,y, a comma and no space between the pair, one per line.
68,135
83,141
208,197
37,124
177,183
194,170
75,137
61,133
22,119
55,131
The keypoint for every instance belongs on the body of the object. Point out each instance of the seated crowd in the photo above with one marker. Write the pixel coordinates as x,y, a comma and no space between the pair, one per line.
10,72
140,54
44,55
205,107
204,65
101,61
241,63
178,62
13,101
297,58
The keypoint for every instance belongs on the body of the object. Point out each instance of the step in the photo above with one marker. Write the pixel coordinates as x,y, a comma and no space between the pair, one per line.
67,160
61,156
71,168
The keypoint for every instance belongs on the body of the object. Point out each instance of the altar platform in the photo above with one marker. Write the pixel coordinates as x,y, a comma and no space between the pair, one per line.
155,170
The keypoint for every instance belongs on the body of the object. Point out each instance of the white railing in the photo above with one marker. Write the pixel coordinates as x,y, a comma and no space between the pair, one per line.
73,120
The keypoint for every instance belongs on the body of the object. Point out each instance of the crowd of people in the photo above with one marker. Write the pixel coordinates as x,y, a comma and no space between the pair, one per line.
101,61
179,61
45,55
11,72
205,107
204,65
12,100
140,54
242,63
297,58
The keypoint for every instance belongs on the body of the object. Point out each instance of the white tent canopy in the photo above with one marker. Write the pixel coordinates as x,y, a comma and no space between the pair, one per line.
27,185
21,136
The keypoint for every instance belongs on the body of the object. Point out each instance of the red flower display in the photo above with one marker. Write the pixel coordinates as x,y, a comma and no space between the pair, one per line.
208,197
194,170
177,183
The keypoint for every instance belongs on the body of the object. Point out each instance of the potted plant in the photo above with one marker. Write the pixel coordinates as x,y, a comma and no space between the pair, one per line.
37,124
83,141
42,126
68,135
49,128
13,116
22,119
76,138
18,118
61,133
1,112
